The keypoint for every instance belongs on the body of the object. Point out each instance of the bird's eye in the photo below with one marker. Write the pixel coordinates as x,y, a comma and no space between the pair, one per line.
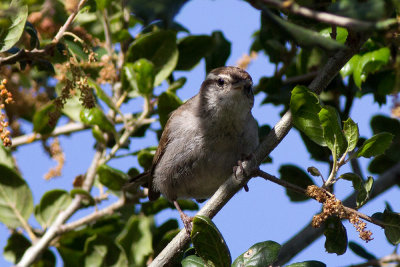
220,82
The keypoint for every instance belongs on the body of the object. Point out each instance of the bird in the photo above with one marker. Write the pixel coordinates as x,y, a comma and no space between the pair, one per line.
203,140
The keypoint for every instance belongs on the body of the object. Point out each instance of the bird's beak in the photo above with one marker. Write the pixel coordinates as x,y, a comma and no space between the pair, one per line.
246,86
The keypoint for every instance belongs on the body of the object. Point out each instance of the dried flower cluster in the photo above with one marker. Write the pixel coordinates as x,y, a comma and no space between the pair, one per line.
6,97
246,59
108,73
57,154
334,207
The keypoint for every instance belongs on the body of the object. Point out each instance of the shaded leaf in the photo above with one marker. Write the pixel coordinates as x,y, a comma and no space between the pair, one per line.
158,47
297,176
88,199
51,204
167,102
314,171
305,108
102,95
145,158
336,236
41,119
360,251
192,261
178,84
350,130
220,52
392,226
260,254
375,146
341,34
362,188
16,199
10,36
209,243
112,178
302,36
100,250
192,49
136,239
307,264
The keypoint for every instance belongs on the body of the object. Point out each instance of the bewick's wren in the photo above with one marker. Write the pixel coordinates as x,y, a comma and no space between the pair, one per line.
204,139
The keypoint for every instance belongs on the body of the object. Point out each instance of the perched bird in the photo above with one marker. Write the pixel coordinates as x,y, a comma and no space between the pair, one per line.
204,139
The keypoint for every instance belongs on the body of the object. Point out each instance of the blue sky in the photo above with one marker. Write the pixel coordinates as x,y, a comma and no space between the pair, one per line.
263,213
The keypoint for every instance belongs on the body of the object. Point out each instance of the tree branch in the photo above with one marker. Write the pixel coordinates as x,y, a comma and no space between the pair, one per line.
276,135
309,234
325,17
395,258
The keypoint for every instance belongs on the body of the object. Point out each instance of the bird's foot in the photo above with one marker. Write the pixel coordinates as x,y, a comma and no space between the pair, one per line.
187,220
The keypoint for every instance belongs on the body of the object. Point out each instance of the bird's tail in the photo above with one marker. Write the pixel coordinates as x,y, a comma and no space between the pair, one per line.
137,181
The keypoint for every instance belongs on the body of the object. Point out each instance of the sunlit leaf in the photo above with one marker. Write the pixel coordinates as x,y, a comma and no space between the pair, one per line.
10,36
375,146
350,130
260,254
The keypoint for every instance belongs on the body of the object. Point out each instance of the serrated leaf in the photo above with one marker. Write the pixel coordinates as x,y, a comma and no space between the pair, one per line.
100,250
16,199
95,116
336,236
301,35
332,130
112,178
349,67
350,130
220,52
370,62
392,226
192,49
360,251
305,107
41,119
375,146
297,176
193,261
307,264
51,204
13,33
160,48
209,243
167,102
260,254
138,247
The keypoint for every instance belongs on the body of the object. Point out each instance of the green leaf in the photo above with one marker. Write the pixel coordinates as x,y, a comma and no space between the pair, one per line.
305,107
16,201
370,62
375,146
260,254
392,226
153,207
220,52
350,130
297,176
173,87
332,130
6,157
136,239
100,250
302,36
140,75
158,47
167,102
336,236
209,243
41,119
10,36
17,245
88,200
193,261
307,264
192,49
145,158
349,67
51,204
363,189
95,116
314,171
341,34
360,251
102,4
112,178
73,108
102,95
